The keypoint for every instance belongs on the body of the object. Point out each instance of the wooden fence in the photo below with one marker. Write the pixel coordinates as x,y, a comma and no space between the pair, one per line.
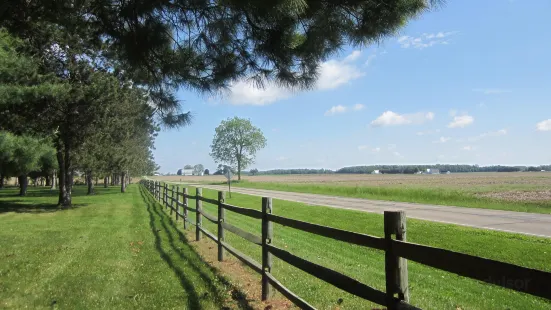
397,251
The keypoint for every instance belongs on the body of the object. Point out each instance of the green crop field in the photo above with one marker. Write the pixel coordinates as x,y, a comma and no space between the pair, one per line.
113,251
429,288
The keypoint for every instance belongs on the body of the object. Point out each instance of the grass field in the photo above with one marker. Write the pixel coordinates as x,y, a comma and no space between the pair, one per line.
113,251
430,288
525,192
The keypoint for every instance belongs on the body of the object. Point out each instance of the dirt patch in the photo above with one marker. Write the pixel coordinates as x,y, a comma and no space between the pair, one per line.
521,196
245,279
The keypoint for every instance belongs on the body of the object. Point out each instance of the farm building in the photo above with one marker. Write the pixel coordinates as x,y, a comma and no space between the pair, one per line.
185,172
376,172
433,171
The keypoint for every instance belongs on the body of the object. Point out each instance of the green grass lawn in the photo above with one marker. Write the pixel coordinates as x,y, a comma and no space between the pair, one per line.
437,196
429,288
112,251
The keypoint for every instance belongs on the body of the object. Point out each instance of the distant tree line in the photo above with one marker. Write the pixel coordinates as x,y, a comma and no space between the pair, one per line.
403,169
291,171
410,169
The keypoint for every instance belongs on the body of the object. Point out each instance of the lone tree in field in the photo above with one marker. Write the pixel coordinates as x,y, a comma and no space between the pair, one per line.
198,169
236,142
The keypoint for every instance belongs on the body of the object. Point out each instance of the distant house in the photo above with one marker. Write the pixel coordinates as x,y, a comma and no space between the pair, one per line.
185,172
376,172
433,171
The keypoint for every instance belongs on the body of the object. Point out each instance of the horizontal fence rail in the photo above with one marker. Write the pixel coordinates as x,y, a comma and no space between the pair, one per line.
397,251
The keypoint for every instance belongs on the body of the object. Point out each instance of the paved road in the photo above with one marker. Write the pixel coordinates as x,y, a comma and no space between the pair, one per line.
518,222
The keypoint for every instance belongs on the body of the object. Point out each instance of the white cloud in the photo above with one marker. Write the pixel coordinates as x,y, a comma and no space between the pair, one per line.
281,158
335,110
376,150
362,147
544,125
358,107
497,133
442,140
397,154
245,93
339,109
391,147
453,113
461,121
427,132
370,59
425,40
467,148
332,74
353,56
390,118
491,91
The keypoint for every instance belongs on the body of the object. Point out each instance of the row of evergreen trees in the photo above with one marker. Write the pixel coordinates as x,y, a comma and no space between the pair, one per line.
62,114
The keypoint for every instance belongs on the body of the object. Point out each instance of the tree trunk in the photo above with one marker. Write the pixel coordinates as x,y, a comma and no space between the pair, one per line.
112,179
239,170
65,178
123,183
72,180
105,182
97,181
48,181
89,180
1,180
54,180
23,182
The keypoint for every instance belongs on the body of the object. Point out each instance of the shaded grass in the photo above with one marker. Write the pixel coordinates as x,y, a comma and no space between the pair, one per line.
430,288
115,251
437,195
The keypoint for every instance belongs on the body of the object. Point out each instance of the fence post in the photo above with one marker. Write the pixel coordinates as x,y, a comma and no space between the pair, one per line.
158,190
198,218
221,219
267,236
396,268
171,199
166,196
177,202
185,208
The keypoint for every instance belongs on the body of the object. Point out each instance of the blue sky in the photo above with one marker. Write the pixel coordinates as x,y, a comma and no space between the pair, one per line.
469,83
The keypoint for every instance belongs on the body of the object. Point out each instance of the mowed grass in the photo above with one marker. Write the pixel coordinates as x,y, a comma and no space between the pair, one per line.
112,251
429,288
437,195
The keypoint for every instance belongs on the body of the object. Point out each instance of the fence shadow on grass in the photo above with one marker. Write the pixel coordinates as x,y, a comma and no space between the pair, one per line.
161,223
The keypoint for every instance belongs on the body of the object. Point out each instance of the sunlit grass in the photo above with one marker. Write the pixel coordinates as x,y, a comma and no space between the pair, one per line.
430,288
112,251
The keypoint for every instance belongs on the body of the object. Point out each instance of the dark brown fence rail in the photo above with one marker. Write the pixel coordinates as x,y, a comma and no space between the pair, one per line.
397,251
